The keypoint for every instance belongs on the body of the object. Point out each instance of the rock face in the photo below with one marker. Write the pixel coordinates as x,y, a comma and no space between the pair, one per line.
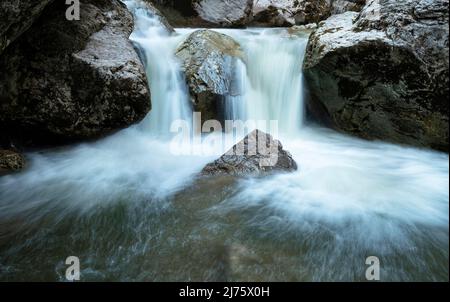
240,13
209,59
206,13
258,153
383,73
16,16
342,6
73,79
228,13
289,12
10,161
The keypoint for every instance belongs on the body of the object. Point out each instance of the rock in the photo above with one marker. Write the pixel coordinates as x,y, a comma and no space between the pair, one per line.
206,13
180,13
16,16
289,12
10,161
240,13
302,28
227,13
342,6
208,60
383,73
258,153
73,79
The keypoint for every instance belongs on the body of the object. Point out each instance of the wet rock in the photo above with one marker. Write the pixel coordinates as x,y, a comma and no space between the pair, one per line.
16,16
209,59
10,161
73,79
258,153
383,73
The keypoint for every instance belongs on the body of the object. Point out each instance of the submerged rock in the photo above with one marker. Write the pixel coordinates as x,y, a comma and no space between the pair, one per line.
383,73
209,61
258,153
73,79
10,161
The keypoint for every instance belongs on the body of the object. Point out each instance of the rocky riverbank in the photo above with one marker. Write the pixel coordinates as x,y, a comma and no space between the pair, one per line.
383,73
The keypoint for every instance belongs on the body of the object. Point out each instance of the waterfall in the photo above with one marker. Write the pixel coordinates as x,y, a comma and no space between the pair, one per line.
170,99
273,84
270,79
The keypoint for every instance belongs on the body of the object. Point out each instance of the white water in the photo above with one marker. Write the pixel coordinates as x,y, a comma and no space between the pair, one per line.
370,196
167,83
274,82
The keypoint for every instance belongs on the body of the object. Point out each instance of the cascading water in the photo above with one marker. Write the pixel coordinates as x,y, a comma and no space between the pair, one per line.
130,210
167,83
273,82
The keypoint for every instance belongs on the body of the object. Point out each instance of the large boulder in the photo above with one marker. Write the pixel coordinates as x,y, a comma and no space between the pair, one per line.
257,154
383,73
209,62
206,13
16,16
73,79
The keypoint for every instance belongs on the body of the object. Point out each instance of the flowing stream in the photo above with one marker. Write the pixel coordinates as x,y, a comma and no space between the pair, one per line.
132,210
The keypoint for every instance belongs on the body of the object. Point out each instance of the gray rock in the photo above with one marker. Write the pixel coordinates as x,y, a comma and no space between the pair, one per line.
240,13
228,13
180,13
10,161
16,16
208,60
342,6
73,79
206,13
289,12
383,73
257,154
